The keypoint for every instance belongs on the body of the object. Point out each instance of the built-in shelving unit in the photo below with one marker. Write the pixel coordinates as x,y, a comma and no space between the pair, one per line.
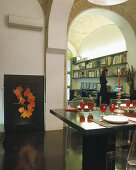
92,68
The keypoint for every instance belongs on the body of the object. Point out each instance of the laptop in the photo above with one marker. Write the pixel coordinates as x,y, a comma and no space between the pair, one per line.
116,89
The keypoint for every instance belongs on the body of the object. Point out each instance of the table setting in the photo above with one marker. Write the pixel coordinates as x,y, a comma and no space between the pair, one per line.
99,127
87,113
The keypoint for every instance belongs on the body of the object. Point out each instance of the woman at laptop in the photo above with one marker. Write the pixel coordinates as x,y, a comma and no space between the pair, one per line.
103,89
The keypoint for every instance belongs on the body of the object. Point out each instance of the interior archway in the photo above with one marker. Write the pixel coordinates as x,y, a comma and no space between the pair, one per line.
122,24
122,29
57,45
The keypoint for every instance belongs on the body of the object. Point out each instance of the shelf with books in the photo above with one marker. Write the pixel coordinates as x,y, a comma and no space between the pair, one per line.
107,66
96,77
96,72
107,59
93,68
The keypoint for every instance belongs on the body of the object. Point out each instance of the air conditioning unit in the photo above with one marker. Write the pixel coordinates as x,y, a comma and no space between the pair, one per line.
23,22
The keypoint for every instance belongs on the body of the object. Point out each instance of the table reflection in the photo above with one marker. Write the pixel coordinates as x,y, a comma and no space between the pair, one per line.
22,151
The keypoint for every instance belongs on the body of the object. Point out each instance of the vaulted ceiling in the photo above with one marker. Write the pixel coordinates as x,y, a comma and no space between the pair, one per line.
85,25
82,26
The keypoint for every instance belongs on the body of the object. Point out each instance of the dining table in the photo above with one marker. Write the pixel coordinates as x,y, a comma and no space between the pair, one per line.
98,135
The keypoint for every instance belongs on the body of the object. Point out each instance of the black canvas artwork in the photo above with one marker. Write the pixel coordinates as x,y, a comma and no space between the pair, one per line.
23,103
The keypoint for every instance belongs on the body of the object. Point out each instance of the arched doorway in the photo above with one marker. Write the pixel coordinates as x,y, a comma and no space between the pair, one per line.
57,46
109,33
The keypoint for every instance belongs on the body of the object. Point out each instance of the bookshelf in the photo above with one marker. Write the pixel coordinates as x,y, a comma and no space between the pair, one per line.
92,68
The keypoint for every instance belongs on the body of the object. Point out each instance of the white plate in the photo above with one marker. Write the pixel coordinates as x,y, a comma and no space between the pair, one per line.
115,119
124,105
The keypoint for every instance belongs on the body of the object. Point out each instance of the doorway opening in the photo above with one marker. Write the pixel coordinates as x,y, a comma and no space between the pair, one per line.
94,34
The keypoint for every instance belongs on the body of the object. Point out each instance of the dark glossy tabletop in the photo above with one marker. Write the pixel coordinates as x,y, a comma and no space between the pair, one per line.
95,127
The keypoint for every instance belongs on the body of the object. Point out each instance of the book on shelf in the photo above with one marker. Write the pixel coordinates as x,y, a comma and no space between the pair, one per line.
125,57
96,63
83,66
89,65
120,58
110,60
102,62
97,73
91,73
102,65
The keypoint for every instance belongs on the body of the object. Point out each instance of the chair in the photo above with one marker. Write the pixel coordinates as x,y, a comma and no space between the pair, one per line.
123,139
84,99
114,101
74,104
131,159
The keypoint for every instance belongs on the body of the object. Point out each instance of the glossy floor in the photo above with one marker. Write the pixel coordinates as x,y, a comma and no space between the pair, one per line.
46,151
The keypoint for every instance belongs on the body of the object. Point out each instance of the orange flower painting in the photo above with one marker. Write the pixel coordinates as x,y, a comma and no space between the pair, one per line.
27,101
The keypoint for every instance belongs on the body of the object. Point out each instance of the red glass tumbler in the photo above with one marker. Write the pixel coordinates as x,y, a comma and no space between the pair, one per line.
82,118
134,105
90,117
103,108
128,102
112,108
82,106
90,106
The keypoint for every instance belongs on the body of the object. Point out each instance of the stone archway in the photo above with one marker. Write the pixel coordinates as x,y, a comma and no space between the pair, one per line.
55,57
57,45
125,10
123,25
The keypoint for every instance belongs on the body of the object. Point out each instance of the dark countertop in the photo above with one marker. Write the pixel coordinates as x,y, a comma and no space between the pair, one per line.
93,128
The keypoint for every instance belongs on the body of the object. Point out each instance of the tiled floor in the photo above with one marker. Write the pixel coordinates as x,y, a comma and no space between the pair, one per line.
46,151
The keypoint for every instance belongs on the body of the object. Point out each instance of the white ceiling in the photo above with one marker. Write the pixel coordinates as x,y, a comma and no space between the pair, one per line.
84,25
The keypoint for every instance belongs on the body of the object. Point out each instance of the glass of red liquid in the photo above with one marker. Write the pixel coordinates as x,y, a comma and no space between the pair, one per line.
90,117
82,118
112,108
90,106
103,108
82,106
134,105
128,102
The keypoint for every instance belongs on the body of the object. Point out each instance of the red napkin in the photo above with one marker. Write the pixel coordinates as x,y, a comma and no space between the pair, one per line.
132,119
71,109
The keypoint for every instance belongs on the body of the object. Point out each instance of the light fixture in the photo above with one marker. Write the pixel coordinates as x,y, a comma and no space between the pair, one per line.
107,2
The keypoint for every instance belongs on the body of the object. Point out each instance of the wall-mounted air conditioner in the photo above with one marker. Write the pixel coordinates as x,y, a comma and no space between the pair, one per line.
25,22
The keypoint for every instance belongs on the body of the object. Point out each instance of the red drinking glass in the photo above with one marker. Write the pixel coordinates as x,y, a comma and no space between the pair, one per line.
90,105
128,102
103,108
112,108
82,118
82,106
90,117
134,105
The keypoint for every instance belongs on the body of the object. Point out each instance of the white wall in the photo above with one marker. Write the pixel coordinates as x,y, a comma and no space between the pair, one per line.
58,23
21,51
72,49
57,45
54,89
